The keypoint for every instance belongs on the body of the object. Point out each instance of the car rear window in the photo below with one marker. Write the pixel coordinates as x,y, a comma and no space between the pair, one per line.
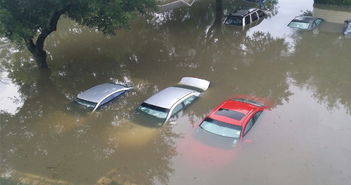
86,103
234,20
255,103
221,128
230,114
153,110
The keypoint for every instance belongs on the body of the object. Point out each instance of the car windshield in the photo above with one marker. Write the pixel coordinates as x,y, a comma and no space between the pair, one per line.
298,24
153,110
85,103
234,20
258,104
221,128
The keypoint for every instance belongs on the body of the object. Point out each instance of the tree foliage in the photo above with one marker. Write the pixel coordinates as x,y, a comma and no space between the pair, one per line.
29,22
334,2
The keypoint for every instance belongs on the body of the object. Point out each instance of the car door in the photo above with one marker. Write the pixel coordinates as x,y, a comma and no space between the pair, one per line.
181,105
261,13
251,122
111,97
254,16
247,20
189,100
177,109
313,26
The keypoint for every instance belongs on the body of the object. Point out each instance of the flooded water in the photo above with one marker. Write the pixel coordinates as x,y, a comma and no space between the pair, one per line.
304,138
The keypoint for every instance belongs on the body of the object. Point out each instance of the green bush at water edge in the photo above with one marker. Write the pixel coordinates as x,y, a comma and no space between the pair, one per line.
334,2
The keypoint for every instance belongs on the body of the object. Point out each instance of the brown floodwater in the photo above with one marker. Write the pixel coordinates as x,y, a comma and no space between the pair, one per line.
304,138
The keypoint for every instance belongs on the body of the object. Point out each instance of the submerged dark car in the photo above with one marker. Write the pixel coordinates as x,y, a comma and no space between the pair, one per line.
305,23
101,94
245,17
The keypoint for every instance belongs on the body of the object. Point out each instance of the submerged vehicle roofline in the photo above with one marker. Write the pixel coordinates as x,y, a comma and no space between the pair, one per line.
102,99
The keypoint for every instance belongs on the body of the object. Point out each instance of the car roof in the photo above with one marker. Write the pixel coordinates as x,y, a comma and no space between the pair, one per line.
243,12
169,96
98,92
238,107
307,19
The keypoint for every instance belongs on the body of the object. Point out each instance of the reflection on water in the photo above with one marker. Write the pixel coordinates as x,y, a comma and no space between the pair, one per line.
130,135
10,99
301,140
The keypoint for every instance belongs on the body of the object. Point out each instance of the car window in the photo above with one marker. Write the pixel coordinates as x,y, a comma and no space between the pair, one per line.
247,20
299,25
261,13
153,110
177,108
85,103
189,100
249,126
257,115
314,25
318,21
234,20
254,16
221,128
251,122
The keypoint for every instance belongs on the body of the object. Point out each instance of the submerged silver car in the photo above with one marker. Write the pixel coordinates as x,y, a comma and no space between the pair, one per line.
245,17
101,94
305,22
168,102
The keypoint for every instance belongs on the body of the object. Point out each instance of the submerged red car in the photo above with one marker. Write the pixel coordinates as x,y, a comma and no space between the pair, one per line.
214,143
231,120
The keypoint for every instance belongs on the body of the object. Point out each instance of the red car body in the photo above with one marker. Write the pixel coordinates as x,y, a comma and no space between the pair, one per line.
244,109
205,150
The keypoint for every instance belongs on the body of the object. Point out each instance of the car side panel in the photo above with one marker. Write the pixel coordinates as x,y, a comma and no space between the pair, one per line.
103,100
248,119
180,102
111,97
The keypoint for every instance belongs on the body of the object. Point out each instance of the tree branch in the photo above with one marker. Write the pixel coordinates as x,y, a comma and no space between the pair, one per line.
30,45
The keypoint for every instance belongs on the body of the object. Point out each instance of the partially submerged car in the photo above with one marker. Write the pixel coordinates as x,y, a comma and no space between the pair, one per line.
168,102
230,121
305,23
245,17
347,28
99,95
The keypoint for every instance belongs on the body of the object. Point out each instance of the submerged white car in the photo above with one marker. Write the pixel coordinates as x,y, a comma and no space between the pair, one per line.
168,102
101,94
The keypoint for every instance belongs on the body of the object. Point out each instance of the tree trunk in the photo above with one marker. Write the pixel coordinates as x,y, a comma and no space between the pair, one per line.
37,49
216,28
39,54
